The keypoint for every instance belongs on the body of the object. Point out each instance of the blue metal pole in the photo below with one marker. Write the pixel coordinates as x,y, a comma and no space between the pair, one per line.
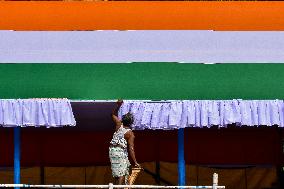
181,162
17,156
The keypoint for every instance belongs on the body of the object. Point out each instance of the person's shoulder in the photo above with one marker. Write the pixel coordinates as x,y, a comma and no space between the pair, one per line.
129,133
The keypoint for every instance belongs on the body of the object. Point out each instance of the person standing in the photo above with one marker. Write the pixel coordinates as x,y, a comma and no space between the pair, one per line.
122,142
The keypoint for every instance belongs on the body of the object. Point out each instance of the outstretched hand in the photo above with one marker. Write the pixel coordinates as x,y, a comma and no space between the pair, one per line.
119,102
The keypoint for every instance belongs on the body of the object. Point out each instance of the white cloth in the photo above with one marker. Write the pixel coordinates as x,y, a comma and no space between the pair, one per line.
200,113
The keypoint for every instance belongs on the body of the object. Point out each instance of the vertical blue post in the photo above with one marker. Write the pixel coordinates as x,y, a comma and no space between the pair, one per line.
181,162
17,156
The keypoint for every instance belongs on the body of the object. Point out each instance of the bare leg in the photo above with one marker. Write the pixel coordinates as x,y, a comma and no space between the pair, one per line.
121,180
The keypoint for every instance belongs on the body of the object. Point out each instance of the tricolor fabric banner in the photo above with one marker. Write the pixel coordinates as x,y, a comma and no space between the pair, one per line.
162,57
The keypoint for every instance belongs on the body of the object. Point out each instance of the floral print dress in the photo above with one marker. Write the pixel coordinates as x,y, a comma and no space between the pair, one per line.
118,154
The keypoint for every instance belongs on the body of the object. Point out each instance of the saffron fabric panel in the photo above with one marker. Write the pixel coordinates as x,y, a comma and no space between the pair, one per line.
204,113
36,112
155,15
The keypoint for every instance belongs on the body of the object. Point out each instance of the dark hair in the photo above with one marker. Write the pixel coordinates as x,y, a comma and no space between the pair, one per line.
127,119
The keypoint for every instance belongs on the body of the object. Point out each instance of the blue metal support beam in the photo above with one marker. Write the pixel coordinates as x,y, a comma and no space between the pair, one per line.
181,161
17,156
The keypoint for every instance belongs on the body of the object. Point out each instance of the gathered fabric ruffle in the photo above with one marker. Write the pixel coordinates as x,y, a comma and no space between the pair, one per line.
203,113
36,112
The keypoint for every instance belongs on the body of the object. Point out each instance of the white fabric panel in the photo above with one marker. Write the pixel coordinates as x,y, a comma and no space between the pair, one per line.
204,113
142,46
36,112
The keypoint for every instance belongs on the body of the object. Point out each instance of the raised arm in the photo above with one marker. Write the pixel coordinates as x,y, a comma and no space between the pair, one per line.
129,136
114,114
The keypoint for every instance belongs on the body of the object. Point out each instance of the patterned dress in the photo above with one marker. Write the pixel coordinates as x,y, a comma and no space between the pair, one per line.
118,154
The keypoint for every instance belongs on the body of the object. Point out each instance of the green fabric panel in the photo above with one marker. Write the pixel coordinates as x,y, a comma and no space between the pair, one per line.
142,81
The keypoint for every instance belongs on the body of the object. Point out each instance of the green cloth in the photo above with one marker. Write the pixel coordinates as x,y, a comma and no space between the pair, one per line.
153,81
